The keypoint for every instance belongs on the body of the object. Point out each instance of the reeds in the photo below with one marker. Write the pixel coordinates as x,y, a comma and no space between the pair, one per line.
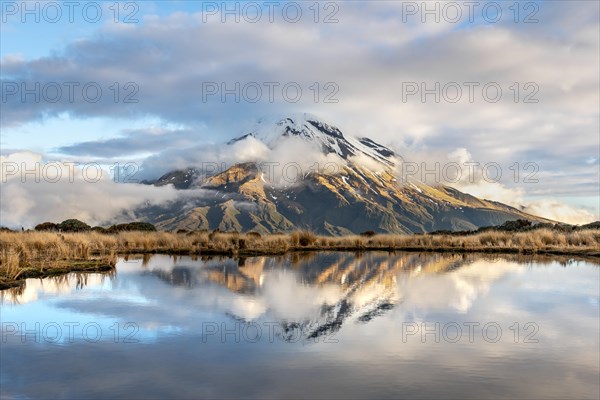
22,250
34,245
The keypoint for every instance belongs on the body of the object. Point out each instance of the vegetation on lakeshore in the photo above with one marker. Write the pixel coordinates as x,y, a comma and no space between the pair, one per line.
45,252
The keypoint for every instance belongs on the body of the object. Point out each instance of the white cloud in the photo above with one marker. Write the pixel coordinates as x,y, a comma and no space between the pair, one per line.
55,191
548,208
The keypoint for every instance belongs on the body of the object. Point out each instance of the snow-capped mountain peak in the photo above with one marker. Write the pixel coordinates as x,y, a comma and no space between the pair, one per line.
330,139
356,198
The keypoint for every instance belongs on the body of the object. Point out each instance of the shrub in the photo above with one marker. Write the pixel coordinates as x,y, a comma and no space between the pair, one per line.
133,227
73,225
593,225
141,227
368,234
515,226
254,235
46,226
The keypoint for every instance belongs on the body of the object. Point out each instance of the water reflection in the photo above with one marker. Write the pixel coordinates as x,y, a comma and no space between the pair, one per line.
60,284
316,293
332,315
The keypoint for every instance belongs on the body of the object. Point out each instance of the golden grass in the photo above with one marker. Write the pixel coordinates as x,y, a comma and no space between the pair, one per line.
24,252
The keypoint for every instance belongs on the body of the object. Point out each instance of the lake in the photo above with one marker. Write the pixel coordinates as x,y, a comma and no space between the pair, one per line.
308,325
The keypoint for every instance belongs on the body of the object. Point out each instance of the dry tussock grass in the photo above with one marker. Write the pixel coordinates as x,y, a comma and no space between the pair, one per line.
20,250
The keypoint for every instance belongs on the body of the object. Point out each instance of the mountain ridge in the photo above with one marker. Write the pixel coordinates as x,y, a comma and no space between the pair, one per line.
352,199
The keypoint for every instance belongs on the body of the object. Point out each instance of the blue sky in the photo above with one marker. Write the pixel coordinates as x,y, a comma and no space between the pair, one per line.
368,51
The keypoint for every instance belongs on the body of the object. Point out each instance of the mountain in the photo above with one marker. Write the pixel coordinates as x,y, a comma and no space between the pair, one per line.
362,193
329,139
347,289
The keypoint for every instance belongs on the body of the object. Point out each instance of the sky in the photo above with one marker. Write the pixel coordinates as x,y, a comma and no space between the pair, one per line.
513,85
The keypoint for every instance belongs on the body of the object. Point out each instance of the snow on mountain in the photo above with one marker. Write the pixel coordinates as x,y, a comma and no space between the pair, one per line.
272,131
363,195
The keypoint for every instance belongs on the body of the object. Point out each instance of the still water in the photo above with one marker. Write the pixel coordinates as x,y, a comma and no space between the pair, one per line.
321,325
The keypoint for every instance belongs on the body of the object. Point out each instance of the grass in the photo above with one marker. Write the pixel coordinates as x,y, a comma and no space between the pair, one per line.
33,254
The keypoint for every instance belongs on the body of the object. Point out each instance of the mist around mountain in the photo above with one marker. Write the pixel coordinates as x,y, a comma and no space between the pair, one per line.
336,185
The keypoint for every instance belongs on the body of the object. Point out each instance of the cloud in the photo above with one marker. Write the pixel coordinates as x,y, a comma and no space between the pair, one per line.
290,156
55,191
558,211
457,168
134,141
367,162
206,157
548,208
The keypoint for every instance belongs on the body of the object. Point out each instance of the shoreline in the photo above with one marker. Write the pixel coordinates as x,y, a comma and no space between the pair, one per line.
42,254
60,267
586,253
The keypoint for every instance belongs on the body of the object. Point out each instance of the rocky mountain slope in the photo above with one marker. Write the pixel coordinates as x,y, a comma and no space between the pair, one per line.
362,193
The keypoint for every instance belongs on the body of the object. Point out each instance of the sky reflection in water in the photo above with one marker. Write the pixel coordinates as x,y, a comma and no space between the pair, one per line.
308,325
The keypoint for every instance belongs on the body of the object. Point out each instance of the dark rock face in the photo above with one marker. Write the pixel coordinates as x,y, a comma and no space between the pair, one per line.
181,179
384,151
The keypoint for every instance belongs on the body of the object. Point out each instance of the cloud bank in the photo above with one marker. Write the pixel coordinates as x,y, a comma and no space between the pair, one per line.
64,191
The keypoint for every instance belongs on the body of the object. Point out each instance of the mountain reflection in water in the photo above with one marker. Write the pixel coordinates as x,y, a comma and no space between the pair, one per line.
340,328
315,292
345,285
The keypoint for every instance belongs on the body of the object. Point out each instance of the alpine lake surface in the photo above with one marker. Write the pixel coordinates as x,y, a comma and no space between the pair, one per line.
308,325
